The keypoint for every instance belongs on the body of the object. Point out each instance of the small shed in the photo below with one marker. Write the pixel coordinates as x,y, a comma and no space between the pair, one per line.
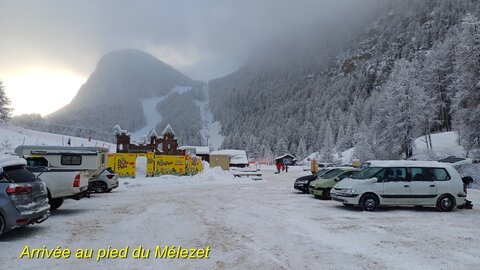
222,161
237,158
287,159
200,151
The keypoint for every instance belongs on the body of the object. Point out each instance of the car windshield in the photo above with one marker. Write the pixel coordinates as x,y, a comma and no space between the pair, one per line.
366,173
322,172
331,173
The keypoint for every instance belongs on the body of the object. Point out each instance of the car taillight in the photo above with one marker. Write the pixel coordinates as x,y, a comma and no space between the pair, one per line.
76,182
110,176
14,189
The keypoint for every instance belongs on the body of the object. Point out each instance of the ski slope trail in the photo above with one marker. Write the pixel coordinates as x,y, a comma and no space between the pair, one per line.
210,128
151,113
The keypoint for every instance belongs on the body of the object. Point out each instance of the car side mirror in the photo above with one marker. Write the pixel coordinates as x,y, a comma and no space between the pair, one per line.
337,179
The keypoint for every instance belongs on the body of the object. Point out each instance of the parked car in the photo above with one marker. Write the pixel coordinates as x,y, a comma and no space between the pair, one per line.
23,197
321,187
403,183
302,183
106,181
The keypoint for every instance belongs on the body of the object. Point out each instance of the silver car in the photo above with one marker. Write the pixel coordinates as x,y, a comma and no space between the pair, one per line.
104,182
23,197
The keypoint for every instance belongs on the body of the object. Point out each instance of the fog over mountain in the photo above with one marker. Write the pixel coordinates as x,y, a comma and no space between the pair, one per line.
374,78
404,69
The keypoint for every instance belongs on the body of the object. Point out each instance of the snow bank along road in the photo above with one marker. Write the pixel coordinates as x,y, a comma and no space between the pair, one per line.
248,225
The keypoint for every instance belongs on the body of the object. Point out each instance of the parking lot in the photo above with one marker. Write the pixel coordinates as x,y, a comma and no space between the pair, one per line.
248,225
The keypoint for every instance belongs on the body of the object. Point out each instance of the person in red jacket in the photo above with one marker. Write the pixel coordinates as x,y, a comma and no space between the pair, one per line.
279,166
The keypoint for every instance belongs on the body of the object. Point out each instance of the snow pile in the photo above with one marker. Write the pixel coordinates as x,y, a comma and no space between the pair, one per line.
215,174
208,176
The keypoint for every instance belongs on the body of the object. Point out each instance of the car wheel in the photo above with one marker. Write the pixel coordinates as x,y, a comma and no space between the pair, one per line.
2,225
55,203
369,202
446,203
101,187
326,194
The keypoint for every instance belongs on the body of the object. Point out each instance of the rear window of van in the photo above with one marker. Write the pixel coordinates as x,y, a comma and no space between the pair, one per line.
439,174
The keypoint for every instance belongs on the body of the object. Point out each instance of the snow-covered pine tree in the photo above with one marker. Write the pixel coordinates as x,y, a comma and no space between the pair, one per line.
328,145
281,147
293,148
402,100
5,111
364,149
267,154
467,83
436,79
301,152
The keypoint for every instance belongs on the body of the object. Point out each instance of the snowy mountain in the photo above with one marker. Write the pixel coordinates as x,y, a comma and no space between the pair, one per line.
122,85
406,69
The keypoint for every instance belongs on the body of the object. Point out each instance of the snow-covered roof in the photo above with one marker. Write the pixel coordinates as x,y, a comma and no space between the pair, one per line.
455,161
119,131
199,150
9,160
51,149
168,129
407,163
153,133
286,155
236,156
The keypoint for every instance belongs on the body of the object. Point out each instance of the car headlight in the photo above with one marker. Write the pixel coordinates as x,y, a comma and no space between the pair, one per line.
351,190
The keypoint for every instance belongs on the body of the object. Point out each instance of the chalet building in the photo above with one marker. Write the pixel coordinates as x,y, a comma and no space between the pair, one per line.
287,159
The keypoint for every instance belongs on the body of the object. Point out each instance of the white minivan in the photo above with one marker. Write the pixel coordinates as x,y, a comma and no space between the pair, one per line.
402,183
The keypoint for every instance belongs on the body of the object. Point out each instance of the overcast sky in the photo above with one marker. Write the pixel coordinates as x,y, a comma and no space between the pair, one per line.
51,47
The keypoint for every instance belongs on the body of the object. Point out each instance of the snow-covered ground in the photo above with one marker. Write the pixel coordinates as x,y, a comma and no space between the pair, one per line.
151,113
12,136
249,225
210,128
444,144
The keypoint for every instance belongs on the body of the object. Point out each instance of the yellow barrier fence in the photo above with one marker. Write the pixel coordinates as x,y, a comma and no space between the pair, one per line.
124,164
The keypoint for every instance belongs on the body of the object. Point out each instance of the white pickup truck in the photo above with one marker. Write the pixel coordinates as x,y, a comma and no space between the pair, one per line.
66,170
61,184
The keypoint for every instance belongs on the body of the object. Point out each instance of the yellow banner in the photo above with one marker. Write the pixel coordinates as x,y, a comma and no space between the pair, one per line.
125,164
174,165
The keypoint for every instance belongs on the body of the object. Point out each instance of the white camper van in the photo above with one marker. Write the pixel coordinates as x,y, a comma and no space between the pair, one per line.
65,170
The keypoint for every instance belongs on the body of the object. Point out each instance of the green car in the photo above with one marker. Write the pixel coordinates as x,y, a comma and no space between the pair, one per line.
321,187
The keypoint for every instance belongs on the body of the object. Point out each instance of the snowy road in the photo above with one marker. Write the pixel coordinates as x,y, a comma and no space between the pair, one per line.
249,225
